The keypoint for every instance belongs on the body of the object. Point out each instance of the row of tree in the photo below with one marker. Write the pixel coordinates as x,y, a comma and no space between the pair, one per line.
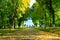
43,12
46,13
11,12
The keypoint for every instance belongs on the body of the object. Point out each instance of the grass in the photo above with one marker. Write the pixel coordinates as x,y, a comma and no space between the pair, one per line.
6,31
55,30
47,29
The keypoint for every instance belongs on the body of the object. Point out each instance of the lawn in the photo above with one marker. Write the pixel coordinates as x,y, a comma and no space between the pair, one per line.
55,30
6,31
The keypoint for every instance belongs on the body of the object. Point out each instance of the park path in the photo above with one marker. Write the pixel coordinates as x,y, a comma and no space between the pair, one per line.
30,34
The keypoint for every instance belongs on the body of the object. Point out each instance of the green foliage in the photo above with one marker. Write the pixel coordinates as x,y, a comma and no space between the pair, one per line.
13,12
10,11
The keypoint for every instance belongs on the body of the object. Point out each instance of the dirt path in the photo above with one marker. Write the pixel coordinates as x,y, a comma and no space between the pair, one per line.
31,34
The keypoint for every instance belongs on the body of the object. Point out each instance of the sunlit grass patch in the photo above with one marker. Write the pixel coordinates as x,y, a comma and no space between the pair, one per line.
50,29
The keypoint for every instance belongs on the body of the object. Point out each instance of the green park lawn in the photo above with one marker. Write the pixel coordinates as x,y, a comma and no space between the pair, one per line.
47,29
55,30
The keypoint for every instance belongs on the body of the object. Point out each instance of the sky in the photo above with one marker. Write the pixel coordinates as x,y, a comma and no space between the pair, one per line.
32,2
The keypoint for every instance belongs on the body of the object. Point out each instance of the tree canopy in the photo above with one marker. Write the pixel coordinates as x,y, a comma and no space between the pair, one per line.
42,12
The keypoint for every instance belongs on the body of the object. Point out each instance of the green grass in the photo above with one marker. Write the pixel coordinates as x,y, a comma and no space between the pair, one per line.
50,29
47,29
6,31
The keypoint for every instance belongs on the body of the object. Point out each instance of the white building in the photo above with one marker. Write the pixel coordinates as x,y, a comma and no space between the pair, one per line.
28,23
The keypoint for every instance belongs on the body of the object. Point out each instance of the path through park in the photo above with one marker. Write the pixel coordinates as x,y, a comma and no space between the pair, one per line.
30,34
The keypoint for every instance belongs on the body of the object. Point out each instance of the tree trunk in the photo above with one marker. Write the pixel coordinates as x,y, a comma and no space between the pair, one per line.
49,4
52,13
20,20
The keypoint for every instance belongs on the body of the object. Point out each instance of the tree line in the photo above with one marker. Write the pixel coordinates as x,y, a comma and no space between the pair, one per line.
14,12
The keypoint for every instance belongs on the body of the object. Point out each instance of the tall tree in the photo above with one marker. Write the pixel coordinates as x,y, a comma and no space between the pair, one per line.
23,5
51,10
